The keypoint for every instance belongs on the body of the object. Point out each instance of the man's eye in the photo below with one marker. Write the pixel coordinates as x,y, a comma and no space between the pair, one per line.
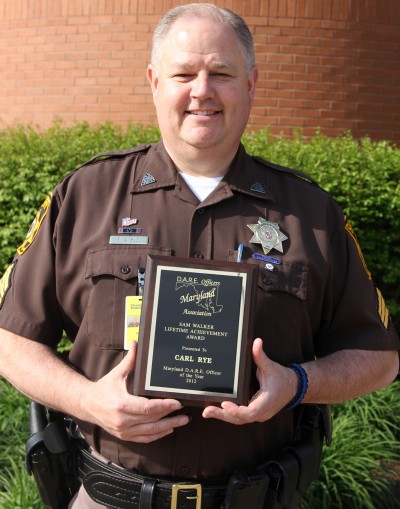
222,75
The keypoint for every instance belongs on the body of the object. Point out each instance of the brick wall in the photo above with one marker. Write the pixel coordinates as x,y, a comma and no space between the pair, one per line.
329,64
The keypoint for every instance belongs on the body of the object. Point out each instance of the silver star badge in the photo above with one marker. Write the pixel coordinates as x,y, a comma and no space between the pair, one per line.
267,234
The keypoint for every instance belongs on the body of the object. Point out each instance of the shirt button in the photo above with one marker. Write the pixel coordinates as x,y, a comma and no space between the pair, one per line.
267,281
201,211
199,256
125,269
185,470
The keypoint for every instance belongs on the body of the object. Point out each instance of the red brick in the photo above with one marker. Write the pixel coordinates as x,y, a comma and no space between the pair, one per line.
322,63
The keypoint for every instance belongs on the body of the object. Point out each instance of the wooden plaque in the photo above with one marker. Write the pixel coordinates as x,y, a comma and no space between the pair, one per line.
196,331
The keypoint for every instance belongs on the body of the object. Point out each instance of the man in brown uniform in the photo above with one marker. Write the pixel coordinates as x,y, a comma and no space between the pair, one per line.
194,194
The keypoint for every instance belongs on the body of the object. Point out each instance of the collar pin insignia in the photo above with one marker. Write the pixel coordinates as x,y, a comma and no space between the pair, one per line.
147,179
267,234
258,188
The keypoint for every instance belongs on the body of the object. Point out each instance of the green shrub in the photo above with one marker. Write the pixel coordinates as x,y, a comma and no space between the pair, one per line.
360,469
17,489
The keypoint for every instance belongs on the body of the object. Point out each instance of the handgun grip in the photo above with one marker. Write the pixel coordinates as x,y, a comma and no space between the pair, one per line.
37,418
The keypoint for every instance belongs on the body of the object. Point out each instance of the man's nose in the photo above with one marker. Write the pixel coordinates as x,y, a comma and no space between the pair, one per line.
202,87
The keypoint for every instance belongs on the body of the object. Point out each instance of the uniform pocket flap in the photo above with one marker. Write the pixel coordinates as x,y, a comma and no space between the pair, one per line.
287,277
122,262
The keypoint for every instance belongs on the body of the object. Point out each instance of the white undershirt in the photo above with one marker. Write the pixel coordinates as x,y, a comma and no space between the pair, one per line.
201,186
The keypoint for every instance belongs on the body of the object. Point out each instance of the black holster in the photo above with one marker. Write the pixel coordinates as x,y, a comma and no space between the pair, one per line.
49,457
293,470
281,482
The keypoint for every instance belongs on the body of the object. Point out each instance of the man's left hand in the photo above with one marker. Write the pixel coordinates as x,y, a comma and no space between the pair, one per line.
278,385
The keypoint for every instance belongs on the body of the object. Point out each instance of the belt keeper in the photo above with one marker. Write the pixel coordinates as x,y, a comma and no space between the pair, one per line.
302,386
146,493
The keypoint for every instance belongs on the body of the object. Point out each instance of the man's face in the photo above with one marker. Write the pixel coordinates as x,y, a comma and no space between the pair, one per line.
202,89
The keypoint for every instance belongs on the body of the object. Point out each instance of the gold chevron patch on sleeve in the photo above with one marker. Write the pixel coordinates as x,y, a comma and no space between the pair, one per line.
352,234
35,226
5,283
382,309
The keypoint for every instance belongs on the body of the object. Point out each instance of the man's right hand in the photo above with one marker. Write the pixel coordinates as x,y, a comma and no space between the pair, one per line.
129,417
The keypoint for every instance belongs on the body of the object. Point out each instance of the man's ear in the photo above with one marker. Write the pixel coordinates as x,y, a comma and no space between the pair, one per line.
252,81
153,79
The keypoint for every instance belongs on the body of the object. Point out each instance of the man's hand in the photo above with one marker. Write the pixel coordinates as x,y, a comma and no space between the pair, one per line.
278,386
130,417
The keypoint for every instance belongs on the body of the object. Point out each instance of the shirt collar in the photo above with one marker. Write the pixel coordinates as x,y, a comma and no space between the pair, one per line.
245,174
157,171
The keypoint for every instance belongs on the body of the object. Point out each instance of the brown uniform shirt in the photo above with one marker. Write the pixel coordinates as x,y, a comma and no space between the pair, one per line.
320,299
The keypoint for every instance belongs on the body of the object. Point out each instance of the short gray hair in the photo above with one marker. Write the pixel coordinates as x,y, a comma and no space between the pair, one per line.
210,11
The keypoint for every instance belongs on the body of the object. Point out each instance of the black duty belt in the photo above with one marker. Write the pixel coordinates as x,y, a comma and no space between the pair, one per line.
121,488
60,464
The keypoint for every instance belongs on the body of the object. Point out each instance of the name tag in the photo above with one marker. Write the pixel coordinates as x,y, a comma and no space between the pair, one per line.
129,239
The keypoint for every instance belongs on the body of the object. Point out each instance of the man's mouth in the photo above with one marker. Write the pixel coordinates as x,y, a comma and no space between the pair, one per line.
204,113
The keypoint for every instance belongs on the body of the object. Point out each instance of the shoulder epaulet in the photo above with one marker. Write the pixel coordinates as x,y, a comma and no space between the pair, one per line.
290,171
117,154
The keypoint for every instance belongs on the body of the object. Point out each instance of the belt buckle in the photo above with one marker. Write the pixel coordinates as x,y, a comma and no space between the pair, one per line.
178,487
